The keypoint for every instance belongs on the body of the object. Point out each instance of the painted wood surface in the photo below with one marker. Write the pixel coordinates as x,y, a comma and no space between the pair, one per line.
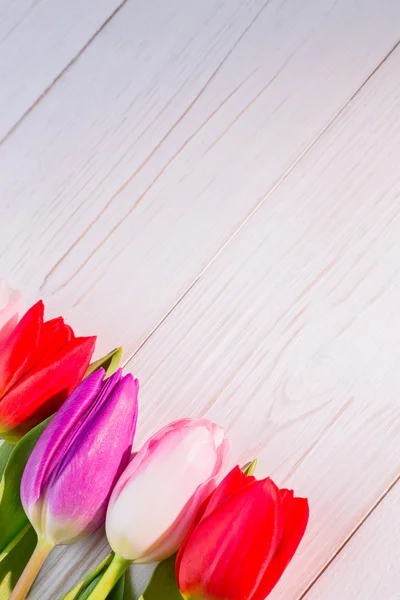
291,338
184,129
150,152
38,41
368,567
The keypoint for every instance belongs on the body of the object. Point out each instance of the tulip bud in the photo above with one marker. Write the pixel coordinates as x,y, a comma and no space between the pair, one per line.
243,542
159,495
70,474
41,363
10,309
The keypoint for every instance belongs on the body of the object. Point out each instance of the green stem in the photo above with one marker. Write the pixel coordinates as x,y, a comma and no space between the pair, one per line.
83,584
117,567
31,570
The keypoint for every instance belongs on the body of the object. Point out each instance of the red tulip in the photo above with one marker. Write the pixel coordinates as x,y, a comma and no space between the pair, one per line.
243,542
40,365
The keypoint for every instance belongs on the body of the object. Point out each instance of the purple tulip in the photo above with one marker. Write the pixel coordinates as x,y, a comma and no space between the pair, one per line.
74,466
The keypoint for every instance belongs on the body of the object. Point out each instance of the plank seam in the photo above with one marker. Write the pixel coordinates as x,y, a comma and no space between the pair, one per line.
14,127
201,273
148,158
262,201
350,536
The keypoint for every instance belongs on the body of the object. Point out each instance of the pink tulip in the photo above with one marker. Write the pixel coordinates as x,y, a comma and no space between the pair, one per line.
11,308
160,493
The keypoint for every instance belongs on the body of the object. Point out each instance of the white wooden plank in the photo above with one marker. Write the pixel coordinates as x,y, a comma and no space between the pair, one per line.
368,567
142,161
291,339
38,40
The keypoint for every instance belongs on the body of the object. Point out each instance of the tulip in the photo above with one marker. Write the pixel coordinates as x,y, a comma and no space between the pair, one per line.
41,363
11,303
243,542
160,494
69,477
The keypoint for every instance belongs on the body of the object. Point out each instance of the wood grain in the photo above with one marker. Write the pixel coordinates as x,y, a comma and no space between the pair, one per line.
180,124
368,567
38,41
291,339
148,154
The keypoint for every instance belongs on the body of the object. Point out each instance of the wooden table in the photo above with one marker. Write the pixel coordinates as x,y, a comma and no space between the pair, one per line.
216,186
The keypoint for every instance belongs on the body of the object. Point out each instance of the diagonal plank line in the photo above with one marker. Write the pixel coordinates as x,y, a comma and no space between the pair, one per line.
350,536
16,125
202,272
263,199
147,159
231,238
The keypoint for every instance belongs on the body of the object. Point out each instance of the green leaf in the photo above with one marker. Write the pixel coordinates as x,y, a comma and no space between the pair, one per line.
128,591
14,563
250,468
12,516
5,451
86,591
109,363
117,593
89,582
162,585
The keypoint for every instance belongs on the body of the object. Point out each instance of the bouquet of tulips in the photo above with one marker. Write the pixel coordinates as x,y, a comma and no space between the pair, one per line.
68,467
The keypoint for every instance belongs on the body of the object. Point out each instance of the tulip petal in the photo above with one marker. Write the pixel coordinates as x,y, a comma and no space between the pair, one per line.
90,467
40,394
295,524
54,336
19,348
225,554
94,406
229,485
149,446
184,452
190,514
49,449
11,308
287,499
